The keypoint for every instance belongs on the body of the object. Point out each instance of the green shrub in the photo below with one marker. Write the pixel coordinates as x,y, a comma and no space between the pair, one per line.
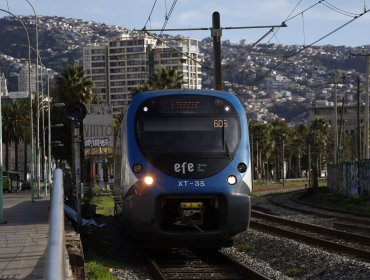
97,271
293,272
244,248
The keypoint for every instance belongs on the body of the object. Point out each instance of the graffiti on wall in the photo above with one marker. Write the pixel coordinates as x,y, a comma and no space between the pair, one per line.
350,178
364,177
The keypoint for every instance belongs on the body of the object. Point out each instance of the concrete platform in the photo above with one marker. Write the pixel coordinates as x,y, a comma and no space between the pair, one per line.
24,236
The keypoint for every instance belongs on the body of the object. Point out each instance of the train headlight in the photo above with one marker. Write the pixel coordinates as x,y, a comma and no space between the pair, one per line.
148,180
232,180
137,168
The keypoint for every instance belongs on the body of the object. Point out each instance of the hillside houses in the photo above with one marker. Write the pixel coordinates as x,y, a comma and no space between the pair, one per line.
264,76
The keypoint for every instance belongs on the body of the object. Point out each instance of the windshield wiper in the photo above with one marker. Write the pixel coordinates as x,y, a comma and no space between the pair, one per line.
224,143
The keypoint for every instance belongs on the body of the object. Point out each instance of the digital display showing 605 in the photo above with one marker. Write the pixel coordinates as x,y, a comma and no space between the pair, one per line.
220,123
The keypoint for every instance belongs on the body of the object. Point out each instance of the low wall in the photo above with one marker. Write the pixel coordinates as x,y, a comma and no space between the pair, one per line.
350,178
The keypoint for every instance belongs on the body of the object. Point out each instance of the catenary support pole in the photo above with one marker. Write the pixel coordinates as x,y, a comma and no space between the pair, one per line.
216,35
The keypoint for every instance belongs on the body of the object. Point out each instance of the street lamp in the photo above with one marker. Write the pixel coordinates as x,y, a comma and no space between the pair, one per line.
49,127
38,58
30,95
38,112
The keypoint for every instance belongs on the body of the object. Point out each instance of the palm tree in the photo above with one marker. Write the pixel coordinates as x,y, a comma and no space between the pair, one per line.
73,86
144,87
161,79
297,150
262,146
166,79
6,137
16,125
281,135
318,138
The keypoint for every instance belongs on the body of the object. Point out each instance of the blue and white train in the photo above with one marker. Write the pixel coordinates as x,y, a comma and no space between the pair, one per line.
183,168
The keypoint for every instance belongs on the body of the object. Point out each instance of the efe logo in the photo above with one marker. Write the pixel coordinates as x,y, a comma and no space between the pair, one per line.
184,167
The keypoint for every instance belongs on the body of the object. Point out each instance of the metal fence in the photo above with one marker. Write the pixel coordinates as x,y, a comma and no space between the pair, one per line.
350,178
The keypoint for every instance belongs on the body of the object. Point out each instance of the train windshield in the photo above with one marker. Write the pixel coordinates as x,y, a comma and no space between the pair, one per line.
193,136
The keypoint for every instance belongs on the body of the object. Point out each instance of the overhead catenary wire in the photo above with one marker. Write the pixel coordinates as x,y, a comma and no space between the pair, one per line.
222,28
210,28
150,14
313,43
355,16
176,49
305,10
338,10
242,54
168,15
322,2
273,35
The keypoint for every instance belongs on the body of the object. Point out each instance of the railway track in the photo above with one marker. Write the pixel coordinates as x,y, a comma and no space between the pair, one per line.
292,203
312,225
197,264
339,241
343,220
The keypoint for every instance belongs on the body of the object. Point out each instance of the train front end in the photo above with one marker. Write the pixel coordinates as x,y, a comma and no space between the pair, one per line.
188,154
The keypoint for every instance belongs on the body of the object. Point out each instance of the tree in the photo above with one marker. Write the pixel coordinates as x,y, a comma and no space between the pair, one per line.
161,79
165,79
74,86
261,142
318,138
6,137
15,126
297,151
71,86
281,135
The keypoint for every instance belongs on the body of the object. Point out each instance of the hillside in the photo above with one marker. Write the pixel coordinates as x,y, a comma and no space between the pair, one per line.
261,73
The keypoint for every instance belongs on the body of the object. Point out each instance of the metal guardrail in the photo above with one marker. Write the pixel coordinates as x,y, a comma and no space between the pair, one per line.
56,269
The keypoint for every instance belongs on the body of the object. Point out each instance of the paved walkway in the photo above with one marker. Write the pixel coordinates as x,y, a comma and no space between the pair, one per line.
24,236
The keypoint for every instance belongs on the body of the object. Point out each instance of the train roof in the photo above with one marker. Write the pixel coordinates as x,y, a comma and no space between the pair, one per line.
145,95
185,91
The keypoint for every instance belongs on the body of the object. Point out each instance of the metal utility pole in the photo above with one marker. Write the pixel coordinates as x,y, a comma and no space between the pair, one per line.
216,33
366,129
252,157
1,163
358,146
76,113
283,165
335,121
309,165
76,147
366,117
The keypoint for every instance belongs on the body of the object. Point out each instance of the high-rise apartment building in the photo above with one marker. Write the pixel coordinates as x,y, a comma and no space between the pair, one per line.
3,86
127,61
183,58
23,78
95,63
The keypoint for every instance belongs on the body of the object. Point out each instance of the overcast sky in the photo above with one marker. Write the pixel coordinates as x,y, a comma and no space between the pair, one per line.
307,20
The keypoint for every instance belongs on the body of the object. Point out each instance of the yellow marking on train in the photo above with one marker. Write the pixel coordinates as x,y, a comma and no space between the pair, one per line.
191,205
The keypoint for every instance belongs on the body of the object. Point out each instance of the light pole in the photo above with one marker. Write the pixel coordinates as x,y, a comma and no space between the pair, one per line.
30,96
49,135
37,101
1,163
47,160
